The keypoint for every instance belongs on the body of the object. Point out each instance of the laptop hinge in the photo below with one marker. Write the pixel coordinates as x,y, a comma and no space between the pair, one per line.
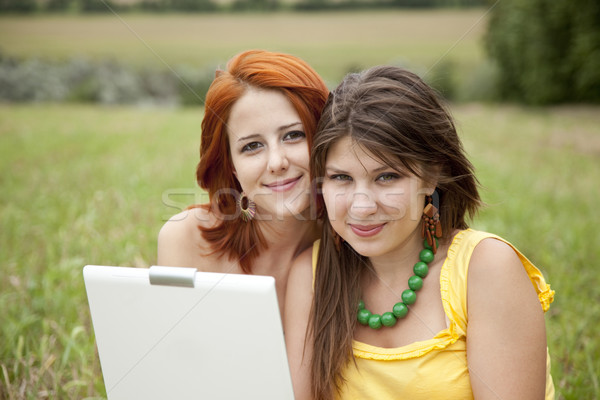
172,276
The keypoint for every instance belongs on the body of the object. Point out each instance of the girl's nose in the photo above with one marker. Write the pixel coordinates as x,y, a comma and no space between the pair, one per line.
278,161
362,204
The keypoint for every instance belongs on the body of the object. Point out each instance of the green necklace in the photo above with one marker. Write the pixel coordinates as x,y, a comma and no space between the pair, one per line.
400,309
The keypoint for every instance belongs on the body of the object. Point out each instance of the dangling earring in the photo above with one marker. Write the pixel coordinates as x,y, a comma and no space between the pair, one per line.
431,228
247,207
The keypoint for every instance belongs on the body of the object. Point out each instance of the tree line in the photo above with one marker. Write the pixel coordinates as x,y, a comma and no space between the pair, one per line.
546,51
539,51
98,6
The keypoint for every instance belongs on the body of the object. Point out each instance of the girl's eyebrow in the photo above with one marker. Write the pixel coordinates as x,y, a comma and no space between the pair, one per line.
253,136
281,128
284,127
382,168
333,168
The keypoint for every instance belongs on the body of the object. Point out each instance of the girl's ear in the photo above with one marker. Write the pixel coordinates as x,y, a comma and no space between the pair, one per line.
233,168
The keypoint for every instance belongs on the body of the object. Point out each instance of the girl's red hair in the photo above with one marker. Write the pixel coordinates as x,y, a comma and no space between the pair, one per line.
243,241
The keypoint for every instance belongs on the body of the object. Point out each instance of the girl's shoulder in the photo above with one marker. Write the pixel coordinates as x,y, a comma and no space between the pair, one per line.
487,258
492,256
483,250
180,240
181,225
496,264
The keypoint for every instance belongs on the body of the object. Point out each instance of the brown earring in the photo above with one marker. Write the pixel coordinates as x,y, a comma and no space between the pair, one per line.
246,206
431,228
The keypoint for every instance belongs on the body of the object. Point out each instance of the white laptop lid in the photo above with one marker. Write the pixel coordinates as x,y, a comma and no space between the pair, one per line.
188,334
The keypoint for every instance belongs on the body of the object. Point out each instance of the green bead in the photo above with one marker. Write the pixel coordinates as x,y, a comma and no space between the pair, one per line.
427,246
426,256
409,297
415,283
421,269
363,316
400,310
388,319
375,321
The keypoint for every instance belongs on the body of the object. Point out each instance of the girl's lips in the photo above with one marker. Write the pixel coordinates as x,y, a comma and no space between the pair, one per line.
283,185
366,230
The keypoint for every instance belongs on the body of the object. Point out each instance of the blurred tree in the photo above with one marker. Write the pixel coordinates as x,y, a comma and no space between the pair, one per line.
96,5
20,6
547,51
255,5
59,5
190,5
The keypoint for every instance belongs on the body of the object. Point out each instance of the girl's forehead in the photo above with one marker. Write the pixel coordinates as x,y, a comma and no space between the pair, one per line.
349,153
353,155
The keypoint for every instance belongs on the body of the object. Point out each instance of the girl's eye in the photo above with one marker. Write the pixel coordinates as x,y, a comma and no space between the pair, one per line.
388,177
294,135
339,177
250,147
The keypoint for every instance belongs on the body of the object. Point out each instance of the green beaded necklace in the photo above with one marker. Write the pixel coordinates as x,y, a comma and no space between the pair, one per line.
409,296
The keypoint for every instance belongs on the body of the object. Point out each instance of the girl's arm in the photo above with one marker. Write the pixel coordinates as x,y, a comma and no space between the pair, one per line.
298,302
506,334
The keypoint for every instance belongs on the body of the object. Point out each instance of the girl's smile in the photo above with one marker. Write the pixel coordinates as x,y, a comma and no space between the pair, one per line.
285,185
366,230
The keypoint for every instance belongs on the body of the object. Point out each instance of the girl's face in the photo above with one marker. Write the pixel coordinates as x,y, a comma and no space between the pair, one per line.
373,207
269,151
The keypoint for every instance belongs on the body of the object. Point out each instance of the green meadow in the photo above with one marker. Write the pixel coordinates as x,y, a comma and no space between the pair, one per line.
332,43
83,184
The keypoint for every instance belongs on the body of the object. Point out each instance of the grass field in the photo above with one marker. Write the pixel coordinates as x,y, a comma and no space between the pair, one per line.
83,184
332,43
93,185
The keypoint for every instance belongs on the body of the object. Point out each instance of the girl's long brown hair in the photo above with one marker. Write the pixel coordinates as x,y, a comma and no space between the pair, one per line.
394,115
261,69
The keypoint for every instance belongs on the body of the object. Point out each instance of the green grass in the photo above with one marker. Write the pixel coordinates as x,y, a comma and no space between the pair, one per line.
332,43
79,185
93,185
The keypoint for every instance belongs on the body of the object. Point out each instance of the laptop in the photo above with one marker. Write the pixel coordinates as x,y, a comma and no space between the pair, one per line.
176,333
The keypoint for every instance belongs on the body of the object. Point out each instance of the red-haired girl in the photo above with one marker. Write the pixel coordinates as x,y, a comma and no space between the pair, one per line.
260,116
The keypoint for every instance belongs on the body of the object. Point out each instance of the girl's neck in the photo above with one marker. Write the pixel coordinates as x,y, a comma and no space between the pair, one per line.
285,241
289,232
395,263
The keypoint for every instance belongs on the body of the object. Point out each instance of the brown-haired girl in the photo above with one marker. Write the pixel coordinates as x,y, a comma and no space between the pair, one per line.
260,117
400,299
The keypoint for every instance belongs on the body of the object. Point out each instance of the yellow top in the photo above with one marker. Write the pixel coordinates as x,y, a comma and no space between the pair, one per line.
434,368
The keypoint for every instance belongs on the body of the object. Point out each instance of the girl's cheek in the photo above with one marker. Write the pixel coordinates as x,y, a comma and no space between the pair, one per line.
394,205
335,202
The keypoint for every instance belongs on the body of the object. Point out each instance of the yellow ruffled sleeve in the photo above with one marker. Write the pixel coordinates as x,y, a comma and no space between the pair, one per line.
545,294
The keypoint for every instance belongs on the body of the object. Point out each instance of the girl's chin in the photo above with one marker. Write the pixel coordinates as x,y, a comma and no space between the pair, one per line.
367,250
285,211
